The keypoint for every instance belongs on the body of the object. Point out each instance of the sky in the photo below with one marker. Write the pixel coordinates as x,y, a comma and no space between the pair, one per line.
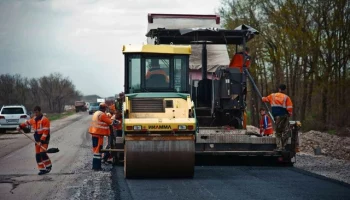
81,39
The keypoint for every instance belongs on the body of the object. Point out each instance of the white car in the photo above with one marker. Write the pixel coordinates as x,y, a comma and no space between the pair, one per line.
11,116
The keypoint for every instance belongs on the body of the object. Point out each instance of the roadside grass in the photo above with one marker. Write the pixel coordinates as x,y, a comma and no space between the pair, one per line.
56,116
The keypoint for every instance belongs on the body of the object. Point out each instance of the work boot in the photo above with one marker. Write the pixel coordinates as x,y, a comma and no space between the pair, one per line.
41,172
48,169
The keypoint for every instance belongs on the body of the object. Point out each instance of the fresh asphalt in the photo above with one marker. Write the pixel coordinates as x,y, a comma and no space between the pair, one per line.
72,178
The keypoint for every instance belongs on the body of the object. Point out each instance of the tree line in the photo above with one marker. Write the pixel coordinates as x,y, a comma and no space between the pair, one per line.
51,92
304,44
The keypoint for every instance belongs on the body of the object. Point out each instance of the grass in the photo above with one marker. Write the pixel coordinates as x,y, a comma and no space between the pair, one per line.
56,116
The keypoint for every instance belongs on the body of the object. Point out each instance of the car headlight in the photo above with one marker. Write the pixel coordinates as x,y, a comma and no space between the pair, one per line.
182,127
137,128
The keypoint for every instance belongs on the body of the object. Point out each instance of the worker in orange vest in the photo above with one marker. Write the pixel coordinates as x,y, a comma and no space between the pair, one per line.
118,127
117,131
266,128
41,127
282,109
238,59
155,69
98,129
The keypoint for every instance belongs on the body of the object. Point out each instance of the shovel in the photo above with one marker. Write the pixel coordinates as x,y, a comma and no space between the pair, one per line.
50,150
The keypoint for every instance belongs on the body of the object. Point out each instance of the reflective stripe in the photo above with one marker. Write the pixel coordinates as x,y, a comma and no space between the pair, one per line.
46,160
276,105
44,135
45,128
289,106
273,104
39,129
98,123
102,127
49,165
99,158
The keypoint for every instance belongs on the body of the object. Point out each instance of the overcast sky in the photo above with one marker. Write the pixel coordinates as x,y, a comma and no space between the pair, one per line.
81,39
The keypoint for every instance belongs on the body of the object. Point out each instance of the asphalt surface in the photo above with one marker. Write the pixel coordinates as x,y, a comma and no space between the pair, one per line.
72,177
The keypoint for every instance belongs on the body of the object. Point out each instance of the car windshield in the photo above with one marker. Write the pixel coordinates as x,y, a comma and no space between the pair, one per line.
94,104
10,111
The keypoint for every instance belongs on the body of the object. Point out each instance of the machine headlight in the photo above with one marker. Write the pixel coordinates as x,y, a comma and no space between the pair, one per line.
137,128
182,127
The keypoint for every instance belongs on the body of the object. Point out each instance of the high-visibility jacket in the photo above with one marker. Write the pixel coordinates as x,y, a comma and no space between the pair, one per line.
237,61
154,71
266,125
40,125
100,124
281,104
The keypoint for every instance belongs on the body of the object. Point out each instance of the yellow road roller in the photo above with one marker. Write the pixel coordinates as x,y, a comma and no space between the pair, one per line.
159,121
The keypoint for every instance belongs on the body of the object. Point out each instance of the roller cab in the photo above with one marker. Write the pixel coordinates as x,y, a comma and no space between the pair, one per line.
159,122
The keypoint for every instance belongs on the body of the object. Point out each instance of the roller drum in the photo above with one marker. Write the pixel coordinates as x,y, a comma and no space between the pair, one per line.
159,158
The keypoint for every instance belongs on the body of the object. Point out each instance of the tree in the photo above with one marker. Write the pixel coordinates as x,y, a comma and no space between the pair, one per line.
304,44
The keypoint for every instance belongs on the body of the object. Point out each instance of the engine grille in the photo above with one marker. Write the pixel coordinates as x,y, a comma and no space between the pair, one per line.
147,105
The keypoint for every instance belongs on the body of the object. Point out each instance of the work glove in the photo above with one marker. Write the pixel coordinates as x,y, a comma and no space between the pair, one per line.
116,122
18,128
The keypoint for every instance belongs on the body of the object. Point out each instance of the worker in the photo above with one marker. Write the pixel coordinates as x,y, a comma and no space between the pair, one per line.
107,156
155,69
282,109
112,108
98,129
41,127
118,127
117,131
266,128
238,59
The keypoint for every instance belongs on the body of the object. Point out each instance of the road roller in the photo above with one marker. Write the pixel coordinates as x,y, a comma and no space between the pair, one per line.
159,121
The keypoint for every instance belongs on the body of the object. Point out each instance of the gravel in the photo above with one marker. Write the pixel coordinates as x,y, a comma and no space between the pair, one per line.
334,161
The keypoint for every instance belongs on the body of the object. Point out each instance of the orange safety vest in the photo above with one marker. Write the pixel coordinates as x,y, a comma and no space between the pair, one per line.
281,104
265,120
157,71
41,127
237,61
100,124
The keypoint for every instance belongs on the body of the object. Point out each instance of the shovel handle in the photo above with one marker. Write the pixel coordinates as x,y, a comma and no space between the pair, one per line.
32,139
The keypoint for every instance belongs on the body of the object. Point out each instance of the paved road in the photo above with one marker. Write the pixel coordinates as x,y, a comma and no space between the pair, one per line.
72,178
